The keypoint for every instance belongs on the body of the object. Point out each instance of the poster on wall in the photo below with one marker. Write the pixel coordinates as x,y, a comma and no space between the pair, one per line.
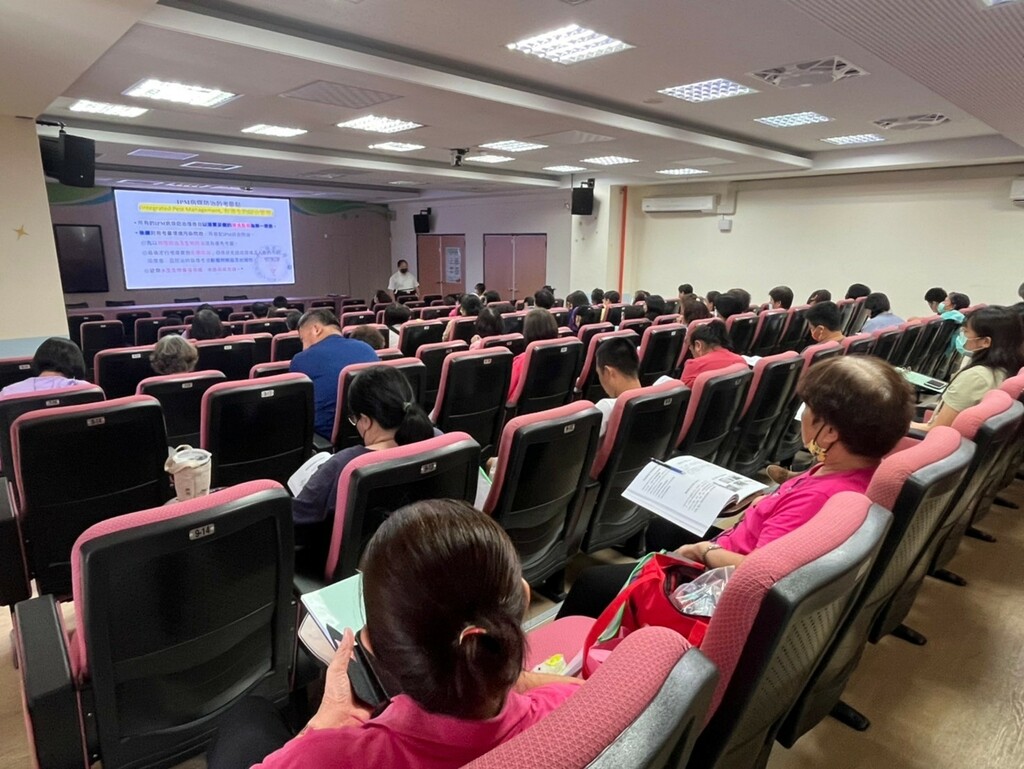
452,264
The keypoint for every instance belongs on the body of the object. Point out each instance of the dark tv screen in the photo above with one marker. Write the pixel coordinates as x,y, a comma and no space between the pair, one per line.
83,266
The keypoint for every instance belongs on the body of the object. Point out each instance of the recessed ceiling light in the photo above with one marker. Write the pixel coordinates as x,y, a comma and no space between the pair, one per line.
793,119
565,169
682,171
397,146
569,45
855,139
103,108
380,125
163,154
512,145
404,183
993,3
202,164
488,159
179,93
609,160
708,90
274,130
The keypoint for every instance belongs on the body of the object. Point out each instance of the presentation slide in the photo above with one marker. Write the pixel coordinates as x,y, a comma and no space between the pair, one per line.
171,240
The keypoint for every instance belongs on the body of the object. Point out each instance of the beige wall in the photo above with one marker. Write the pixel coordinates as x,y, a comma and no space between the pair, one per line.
900,233
32,306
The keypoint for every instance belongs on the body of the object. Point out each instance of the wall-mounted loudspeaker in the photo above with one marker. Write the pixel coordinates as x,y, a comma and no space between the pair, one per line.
71,160
583,201
421,223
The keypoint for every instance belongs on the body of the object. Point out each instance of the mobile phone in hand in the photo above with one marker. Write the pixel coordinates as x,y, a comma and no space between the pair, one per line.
361,675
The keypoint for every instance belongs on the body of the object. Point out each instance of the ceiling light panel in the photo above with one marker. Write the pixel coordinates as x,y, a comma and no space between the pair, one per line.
274,130
380,125
163,154
513,145
708,90
488,159
103,108
397,146
569,45
565,169
179,93
203,165
912,122
854,139
340,94
682,171
609,160
793,119
809,73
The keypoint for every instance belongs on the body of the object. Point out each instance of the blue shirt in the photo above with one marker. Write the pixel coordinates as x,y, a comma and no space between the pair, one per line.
881,321
323,363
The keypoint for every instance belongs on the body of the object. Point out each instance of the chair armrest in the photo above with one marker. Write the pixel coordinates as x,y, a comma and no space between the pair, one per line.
917,434
13,584
322,444
51,702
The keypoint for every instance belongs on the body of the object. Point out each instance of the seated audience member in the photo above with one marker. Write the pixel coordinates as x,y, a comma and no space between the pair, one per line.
685,292
539,324
656,307
727,305
710,347
291,320
574,302
857,290
383,409
856,410
491,296
446,627
280,302
451,300
325,352
611,297
951,308
395,315
381,296
57,363
173,355
488,323
824,322
174,320
881,315
370,335
711,298
1020,305
618,369
479,289
261,310
597,296
933,297
206,325
694,308
992,343
744,297
529,301
781,298
469,307
640,296
821,295
544,299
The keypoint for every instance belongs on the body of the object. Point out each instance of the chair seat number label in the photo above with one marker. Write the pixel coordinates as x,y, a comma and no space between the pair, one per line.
568,429
428,468
267,394
202,531
96,421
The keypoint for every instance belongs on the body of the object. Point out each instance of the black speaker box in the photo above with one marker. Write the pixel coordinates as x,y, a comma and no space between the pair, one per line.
421,223
583,201
71,160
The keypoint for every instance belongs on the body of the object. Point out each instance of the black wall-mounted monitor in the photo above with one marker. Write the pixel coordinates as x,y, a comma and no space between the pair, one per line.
83,265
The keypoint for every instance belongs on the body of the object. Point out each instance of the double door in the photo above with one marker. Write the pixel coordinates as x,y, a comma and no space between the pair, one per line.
441,264
515,265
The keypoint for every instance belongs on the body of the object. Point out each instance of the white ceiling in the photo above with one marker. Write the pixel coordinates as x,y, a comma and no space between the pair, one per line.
446,65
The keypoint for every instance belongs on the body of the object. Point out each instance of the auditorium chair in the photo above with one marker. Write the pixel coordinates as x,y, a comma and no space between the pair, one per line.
660,349
858,344
786,439
514,343
1014,387
432,357
858,318
742,328
260,428
886,341
715,406
146,330
187,300
232,358
128,320
513,322
643,424
685,354
501,307
464,329
770,325
357,318
612,313
384,331
588,386
795,334
263,370
119,371
263,341
110,461
1006,466
375,484
168,330
472,394
432,313
537,507
14,370
284,347
349,301
641,710
241,316
344,433
265,326
663,319
561,315
916,358
940,349
413,334
181,396
547,377
590,330
328,303
236,297
430,298
389,353
180,612
75,324
771,392
100,335
639,325
76,305
903,351
847,309
224,313
917,486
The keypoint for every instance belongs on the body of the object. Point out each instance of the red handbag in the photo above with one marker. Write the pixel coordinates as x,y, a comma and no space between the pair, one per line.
642,602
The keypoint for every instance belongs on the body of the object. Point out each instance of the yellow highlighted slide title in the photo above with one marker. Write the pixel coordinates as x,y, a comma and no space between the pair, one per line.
164,208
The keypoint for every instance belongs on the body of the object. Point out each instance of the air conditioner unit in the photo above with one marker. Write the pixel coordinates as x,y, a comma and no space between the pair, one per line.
1016,192
703,204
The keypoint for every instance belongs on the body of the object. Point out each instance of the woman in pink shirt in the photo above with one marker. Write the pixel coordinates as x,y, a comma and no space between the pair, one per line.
539,324
856,409
57,363
444,598
709,345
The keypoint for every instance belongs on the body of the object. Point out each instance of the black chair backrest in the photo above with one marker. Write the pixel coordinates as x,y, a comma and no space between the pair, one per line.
258,429
561,315
847,308
549,375
128,321
772,323
660,349
75,324
231,358
465,329
357,318
916,356
636,325
146,330
433,356
285,346
648,428
350,301
265,326
323,303
236,297
76,305
415,334
109,458
471,397
181,396
433,313
741,333
588,384
515,343
716,414
885,343
861,346
512,322
906,344
940,346
119,302
587,332
100,335
14,370
119,372
795,335
203,621
224,313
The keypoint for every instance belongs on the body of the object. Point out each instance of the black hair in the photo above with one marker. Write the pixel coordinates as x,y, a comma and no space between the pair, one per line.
1003,326
60,355
291,320
367,333
577,299
877,303
620,354
450,299
280,301
586,315
640,296
728,304
783,295
544,299
712,334
261,309
958,301
490,295
396,314
383,394
935,295
320,315
743,295
470,305
857,290
381,296
400,262
713,295
489,323
655,306
820,295
824,314
539,324
206,325
694,309
597,296
612,296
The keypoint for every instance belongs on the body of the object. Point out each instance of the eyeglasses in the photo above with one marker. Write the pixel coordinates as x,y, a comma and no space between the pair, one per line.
352,419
